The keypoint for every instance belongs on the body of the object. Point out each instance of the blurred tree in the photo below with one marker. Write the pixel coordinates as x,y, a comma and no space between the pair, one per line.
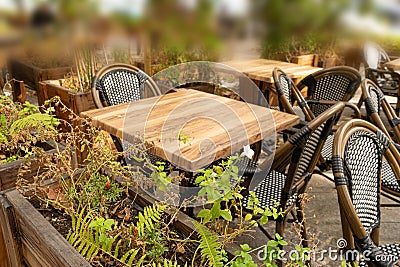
181,33
298,27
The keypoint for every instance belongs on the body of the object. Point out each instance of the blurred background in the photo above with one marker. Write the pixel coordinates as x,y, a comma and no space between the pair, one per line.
154,34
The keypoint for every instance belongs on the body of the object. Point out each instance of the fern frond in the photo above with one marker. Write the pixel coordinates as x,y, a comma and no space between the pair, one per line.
132,257
150,215
36,121
166,263
86,239
210,248
128,257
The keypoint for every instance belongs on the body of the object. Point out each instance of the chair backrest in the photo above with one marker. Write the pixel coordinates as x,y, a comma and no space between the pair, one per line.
298,156
375,102
375,56
121,83
358,151
289,95
334,84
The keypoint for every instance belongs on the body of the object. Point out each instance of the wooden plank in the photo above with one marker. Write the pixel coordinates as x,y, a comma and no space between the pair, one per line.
3,251
41,243
19,92
10,232
22,71
76,101
227,124
307,60
32,75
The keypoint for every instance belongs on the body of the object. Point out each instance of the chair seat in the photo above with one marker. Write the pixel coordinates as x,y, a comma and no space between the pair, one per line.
270,190
388,178
391,249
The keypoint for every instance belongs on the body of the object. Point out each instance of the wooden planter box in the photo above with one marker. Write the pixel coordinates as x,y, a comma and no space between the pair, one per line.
32,75
30,238
305,60
9,171
76,101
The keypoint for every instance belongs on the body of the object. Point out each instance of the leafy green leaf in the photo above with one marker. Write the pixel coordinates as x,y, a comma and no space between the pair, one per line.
226,214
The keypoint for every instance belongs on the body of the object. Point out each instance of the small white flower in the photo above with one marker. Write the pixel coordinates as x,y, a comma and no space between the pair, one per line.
248,152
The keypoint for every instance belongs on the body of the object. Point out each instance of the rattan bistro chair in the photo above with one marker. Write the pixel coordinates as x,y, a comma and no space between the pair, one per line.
377,105
121,83
324,88
289,95
330,84
387,79
358,151
293,165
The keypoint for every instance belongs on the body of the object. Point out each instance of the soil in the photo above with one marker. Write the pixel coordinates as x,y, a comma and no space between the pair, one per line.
61,221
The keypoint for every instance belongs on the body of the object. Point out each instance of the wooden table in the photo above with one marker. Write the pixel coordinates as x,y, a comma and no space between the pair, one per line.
394,64
260,71
213,126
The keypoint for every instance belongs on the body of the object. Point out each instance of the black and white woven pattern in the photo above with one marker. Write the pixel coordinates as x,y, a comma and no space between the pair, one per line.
326,151
362,161
376,99
285,87
388,178
330,87
391,250
269,191
271,187
121,86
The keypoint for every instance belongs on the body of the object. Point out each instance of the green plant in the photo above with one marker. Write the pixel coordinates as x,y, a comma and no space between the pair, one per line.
184,138
90,236
211,250
243,258
96,236
22,127
216,181
159,176
99,191
150,215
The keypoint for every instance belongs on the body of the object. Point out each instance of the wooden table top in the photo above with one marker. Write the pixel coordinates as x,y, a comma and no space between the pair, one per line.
214,126
394,64
261,69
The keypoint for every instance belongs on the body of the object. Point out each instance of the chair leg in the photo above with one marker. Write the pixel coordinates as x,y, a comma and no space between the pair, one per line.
398,104
118,146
